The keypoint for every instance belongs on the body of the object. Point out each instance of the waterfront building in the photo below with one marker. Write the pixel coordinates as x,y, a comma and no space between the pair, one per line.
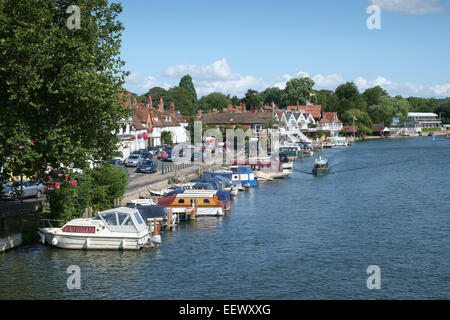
330,122
417,121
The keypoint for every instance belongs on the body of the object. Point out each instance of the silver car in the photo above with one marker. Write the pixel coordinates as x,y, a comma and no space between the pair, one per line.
134,160
30,189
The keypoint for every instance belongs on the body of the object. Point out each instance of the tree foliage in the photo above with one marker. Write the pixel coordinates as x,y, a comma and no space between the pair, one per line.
188,85
214,100
59,87
297,90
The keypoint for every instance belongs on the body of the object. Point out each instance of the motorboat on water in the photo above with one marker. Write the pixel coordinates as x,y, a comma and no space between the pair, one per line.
339,141
268,169
320,166
118,228
206,202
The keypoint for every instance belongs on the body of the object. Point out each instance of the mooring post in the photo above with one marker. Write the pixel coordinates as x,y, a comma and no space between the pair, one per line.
2,222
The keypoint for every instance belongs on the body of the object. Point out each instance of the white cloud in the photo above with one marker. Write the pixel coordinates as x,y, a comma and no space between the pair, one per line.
216,77
331,81
138,83
411,7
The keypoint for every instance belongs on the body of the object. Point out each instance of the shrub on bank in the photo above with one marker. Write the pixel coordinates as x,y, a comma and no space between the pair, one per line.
97,189
431,129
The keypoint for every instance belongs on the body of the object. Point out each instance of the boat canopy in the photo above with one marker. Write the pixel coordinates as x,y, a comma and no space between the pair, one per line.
321,162
148,212
122,219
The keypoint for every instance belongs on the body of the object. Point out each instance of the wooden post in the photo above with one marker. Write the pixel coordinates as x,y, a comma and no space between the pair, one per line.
85,213
90,212
169,219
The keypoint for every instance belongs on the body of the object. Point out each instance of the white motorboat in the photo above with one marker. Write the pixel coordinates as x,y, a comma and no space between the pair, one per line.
118,228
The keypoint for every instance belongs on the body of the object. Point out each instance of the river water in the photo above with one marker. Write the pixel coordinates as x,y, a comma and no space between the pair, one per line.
385,203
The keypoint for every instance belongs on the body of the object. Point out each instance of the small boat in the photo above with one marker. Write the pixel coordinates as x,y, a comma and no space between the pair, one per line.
244,175
207,202
119,228
320,166
447,136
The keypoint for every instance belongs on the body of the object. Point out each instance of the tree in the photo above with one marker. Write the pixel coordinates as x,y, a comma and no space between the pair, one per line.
214,100
235,101
297,90
373,95
328,100
272,95
188,85
157,93
252,99
346,91
59,87
166,137
363,122
183,102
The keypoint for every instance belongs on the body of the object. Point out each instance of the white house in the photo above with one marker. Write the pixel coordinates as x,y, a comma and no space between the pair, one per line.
330,122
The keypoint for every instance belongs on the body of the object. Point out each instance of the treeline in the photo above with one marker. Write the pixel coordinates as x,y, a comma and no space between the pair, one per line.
372,106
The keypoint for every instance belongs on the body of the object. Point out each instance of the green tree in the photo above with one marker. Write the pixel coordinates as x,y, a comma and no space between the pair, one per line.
182,100
373,95
347,91
235,101
252,99
328,100
363,122
214,100
59,87
166,137
272,95
297,90
188,85
157,93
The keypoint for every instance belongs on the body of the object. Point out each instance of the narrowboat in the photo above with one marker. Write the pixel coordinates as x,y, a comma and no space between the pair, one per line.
207,202
321,166
119,228
268,169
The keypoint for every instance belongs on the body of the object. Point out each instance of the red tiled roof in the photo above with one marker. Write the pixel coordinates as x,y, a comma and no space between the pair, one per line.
314,110
330,117
350,129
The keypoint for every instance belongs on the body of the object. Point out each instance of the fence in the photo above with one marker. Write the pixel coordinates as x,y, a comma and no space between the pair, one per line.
171,167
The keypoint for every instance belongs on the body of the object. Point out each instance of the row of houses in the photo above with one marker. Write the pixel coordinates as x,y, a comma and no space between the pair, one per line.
293,118
144,129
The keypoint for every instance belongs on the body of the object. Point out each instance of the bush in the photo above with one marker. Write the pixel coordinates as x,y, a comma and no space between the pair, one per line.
97,188
431,129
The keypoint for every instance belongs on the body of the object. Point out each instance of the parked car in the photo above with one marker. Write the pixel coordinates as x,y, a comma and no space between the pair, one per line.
147,166
170,157
146,155
29,188
55,183
133,160
152,150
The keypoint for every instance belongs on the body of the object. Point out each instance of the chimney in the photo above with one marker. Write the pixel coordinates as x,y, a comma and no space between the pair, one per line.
199,113
161,105
134,101
150,102
172,107
230,106
128,100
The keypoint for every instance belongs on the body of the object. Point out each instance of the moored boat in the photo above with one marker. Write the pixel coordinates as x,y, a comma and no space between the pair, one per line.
118,228
207,202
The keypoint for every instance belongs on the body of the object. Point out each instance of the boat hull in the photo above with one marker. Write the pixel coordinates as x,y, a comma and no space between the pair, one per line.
319,172
92,242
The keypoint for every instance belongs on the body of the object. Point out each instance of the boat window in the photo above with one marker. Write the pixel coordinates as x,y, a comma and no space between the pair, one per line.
180,200
124,219
138,218
206,201
110,218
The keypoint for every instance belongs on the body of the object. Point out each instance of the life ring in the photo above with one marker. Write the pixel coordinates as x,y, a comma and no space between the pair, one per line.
54,241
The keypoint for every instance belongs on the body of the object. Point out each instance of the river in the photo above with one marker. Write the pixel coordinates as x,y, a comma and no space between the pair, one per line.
385,203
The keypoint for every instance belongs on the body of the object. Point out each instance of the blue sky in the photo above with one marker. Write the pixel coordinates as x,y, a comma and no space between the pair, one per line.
231,46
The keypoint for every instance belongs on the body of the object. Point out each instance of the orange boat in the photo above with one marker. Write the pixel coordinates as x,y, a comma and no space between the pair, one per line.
207,202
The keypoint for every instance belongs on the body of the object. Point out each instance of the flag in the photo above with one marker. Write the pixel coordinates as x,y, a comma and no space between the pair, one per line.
312,94
355,119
